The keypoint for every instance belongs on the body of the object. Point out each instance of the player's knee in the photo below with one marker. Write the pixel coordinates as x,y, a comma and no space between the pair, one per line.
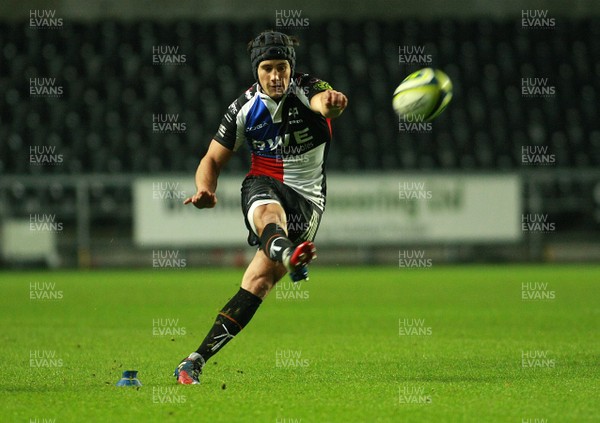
270,213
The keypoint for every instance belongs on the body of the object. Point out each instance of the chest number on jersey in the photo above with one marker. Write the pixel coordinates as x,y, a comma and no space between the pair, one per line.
302,136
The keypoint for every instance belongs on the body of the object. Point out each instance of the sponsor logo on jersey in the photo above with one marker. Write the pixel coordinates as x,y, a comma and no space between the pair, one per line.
266,145
302,136
233,108
256,127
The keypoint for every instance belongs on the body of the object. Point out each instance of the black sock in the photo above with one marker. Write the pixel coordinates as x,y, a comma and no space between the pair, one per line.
230,321
274,242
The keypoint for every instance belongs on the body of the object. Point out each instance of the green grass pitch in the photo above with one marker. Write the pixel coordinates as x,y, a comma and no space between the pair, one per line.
459,344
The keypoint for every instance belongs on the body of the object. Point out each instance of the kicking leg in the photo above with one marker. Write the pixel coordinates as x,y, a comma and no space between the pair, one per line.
270,224
276,256
262,274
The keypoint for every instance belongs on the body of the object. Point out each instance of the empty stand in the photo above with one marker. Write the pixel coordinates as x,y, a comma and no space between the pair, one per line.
102,123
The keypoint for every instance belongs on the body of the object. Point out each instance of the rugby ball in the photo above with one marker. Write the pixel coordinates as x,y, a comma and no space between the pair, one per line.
423,95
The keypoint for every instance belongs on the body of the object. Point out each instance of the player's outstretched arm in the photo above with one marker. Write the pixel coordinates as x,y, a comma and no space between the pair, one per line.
207,174
330,103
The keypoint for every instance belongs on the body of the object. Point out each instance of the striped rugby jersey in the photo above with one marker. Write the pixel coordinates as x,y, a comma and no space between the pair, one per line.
287,140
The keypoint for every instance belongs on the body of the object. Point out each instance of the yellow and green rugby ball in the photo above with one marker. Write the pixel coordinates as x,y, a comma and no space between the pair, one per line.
423,95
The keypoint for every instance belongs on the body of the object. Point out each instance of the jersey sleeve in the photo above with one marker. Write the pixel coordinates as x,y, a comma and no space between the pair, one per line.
227,134
313,85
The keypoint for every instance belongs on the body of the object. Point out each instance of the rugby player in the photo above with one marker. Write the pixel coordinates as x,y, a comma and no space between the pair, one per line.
284,118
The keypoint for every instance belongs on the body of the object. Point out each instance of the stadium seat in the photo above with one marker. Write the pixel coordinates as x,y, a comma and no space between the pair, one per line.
112,88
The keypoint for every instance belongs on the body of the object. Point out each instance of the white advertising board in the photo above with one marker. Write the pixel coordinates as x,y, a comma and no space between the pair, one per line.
361,208
422,208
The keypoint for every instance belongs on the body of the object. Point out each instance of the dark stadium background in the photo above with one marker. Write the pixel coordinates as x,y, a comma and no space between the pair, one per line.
101,123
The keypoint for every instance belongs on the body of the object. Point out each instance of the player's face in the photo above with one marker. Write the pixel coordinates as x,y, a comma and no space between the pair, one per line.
274,77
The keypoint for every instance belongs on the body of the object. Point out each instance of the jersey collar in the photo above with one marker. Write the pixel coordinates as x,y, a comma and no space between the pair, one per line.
274,107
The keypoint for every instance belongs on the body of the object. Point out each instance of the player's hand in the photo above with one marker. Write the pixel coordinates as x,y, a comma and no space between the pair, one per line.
202,199
334,103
